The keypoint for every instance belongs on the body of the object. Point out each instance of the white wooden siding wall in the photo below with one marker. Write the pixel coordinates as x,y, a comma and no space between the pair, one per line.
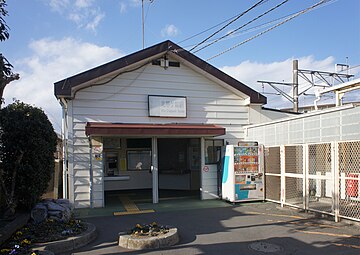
125,100
79,166
336,125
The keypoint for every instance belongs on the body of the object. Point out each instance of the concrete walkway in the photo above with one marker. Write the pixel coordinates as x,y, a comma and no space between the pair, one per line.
250,228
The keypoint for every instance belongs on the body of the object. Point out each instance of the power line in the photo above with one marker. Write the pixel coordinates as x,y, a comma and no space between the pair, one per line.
206,30
269,29
254,28
229,23
232,32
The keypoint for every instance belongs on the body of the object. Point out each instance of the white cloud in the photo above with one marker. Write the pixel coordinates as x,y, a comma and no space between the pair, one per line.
250,72
123,7
51,61
84,13
92,25
169,31
58,5
126,4
135,3
83,3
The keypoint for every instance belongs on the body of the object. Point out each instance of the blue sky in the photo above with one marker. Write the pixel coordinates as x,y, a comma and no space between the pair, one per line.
53,39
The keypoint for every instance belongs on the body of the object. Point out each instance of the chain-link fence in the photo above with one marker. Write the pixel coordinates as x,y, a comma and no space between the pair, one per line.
349,169
272,176
322,177
294,183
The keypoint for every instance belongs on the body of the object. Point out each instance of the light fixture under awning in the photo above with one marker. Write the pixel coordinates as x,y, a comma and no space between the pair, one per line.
179,129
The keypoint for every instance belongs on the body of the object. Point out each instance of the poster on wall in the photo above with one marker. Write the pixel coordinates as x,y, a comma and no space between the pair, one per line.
97,151
167,106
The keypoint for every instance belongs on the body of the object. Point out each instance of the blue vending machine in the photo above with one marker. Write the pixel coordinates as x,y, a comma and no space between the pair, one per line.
243,172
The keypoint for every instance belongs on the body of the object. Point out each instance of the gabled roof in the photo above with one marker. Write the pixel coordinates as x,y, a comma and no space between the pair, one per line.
64,87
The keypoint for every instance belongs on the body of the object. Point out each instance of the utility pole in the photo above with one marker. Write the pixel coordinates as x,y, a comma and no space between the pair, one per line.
143,24
295,85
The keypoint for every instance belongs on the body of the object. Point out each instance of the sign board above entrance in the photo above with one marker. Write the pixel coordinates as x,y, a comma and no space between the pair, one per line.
167,106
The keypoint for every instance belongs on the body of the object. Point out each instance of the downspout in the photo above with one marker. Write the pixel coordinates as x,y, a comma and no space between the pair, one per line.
64,131
90,173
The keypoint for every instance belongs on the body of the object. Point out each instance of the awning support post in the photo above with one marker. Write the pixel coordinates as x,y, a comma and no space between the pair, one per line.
154,171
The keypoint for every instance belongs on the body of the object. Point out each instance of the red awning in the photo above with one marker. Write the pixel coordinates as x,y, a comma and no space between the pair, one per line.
98,128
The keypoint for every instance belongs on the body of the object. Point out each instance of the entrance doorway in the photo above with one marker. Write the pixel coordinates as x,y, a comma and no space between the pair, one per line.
179,166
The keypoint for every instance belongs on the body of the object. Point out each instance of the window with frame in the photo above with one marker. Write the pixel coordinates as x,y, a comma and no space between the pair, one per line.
138,154
213,151
138,160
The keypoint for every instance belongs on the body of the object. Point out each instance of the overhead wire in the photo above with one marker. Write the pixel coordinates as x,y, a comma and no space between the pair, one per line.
251,29
269,29
206,30
254,28
247,23
229,23
147,10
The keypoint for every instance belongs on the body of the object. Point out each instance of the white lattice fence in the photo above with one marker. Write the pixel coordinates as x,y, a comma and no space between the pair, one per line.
272,174
294,175
322,177
349,170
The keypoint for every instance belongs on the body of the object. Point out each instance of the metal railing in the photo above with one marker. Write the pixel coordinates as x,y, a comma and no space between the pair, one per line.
320,177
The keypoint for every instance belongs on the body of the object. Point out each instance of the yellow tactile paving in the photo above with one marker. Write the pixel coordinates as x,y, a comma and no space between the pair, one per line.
130,207
132,212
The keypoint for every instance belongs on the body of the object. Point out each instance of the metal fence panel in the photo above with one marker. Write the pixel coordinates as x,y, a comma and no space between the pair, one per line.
320,178
272,188
272,174
272,160
294,183
294,159
294,191
349,170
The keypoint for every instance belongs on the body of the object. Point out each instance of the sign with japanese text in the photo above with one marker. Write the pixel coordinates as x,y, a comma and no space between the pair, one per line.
167,106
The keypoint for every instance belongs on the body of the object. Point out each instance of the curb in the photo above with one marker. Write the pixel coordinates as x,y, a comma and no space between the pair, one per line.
70,243
154,242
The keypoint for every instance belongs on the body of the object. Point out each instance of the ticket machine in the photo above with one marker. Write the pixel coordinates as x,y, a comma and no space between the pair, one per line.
243,172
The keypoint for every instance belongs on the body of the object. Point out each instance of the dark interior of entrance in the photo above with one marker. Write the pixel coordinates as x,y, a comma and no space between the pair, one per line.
179,164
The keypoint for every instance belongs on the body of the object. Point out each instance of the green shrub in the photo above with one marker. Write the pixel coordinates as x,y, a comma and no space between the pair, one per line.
27,146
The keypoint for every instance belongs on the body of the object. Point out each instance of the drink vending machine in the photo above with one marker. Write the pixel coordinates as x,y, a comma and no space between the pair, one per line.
243,172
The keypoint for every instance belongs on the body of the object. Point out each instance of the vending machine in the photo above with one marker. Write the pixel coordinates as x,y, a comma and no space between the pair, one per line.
243,172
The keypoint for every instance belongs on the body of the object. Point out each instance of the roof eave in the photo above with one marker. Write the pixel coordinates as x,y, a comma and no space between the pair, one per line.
65,88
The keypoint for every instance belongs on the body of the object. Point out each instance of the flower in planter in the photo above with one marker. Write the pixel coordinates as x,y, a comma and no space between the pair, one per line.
152,229
25,242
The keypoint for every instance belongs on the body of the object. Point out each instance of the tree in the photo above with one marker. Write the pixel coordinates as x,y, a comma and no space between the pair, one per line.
6,74
27,147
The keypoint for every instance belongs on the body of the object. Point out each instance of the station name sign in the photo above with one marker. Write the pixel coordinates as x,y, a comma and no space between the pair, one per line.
167,106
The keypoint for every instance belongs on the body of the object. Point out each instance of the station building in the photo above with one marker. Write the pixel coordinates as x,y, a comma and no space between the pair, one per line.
152,120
